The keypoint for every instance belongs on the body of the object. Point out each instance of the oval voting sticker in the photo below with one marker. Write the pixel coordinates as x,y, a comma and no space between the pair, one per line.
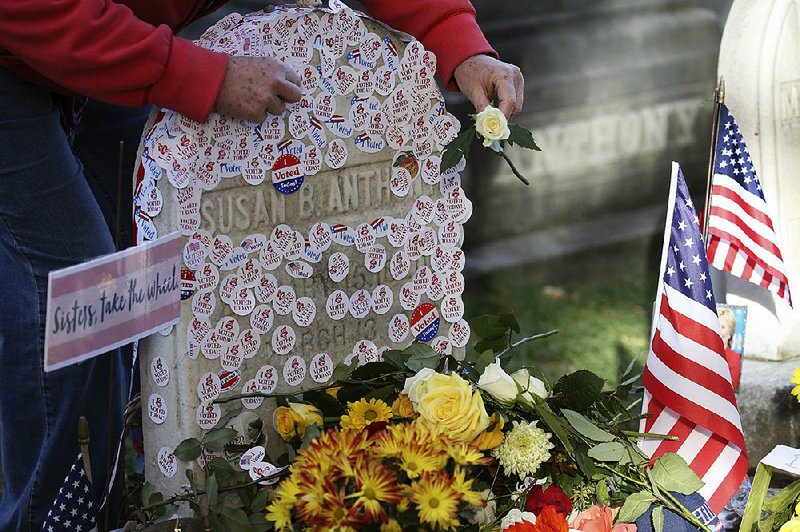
208,415
267,379
157,409
337,305
209,387
321,368
167,462
251,403
360,304
459,333
159,371
304,311
287,173
283,340
398,328
229,378
425,322
261,319
294,370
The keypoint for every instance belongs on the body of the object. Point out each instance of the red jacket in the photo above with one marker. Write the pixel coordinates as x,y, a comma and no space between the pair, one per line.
126,53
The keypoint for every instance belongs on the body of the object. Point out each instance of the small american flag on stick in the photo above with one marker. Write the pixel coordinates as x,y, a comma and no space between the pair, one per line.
688,390
75,509
741,237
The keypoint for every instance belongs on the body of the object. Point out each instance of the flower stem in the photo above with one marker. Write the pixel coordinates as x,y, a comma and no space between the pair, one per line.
514,168
526,340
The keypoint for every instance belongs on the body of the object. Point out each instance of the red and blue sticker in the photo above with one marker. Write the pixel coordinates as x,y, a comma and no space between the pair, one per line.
425,322
287,173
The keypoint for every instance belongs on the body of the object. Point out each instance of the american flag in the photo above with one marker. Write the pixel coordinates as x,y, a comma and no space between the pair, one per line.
74,509
688,390
742,240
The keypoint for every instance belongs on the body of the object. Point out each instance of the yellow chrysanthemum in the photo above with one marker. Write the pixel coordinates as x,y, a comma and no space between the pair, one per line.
493,436
386,445
362,413
796,381
525,448
436,501
391,526
280,514
416,460
464,488
376,484
403,407
463,454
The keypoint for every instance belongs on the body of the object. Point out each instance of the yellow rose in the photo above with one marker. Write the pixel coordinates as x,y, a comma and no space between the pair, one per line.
449,406
489,439
288,424
403,407
491,124
291,422
793,525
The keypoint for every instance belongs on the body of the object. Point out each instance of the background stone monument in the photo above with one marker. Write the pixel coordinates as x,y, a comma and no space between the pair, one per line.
760,62
323,235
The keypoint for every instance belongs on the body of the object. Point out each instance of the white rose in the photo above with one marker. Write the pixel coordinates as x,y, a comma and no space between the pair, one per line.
491,124
487,514
415,386
515,516
530,385
498,383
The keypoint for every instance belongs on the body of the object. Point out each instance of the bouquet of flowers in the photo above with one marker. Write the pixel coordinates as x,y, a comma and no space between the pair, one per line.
424,442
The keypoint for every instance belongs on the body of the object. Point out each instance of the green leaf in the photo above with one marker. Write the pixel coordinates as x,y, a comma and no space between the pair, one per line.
312,433
235,411
235,520
612,451
422,356
396,357
484,360
635,506
658,519
522,137
384,393
586,464
672,473
212,489
259,502
188,450
217,439
329,406
555,423
147,490
342,371
580,389
585,427
223,470
458,148
495,345
372,370
494,326
602,492
259,522
192,482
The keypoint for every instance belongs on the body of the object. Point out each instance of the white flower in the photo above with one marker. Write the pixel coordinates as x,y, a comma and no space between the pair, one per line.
515,516
525,448
491,124
499,384
487,514
530,385
415,386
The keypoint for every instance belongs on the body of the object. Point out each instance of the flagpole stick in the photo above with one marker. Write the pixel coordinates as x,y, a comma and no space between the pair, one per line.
719,99
110,461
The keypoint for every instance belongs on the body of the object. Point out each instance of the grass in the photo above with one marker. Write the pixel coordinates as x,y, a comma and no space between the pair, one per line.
603,323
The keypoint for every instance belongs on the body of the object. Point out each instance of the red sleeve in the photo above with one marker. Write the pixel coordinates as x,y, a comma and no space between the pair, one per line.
446,27
101,49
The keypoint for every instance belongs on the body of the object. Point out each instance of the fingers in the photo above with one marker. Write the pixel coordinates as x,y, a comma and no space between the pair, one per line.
478,97
509,87
288,91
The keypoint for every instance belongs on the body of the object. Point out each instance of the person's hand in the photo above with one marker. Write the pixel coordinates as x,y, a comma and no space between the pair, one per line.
483,78
255,86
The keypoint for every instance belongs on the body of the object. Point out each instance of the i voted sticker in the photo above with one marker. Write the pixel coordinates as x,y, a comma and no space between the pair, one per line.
338,266
375,258
157,409
261,319
425,322
459,333
208,415
209,387
321,368
283,339
159,371
287,174
294,370
382,299
267,379
360,303
251,387
337,305
304,311
409,298
398,328
167,463
284,299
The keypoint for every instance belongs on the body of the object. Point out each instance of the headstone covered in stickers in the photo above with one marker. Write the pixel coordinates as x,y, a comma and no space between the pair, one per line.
324,235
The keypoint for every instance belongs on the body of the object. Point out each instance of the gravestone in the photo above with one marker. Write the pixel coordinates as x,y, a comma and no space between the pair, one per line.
323,235
760,63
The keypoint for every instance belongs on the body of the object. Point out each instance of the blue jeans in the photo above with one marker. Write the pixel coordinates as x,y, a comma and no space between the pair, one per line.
50,219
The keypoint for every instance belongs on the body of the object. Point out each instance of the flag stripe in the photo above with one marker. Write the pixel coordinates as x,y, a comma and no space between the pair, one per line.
726,188
733,248
722,218
735,234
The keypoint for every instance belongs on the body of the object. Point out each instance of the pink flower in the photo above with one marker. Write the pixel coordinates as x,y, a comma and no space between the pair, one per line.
599,519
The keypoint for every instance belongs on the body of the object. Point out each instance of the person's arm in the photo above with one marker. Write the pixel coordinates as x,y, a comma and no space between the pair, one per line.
465,60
